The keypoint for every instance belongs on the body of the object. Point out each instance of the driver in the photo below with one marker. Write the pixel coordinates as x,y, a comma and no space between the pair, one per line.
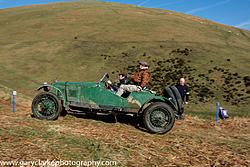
141,80
123,81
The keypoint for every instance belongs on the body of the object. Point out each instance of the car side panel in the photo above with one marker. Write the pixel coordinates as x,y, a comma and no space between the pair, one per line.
74,92
90,94
111,99
100,96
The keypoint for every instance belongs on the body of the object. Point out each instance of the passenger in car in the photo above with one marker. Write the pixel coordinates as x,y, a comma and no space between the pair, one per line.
123,81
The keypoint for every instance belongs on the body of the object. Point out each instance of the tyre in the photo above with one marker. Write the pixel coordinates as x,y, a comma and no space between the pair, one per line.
47,106
168,93
178,99
158,118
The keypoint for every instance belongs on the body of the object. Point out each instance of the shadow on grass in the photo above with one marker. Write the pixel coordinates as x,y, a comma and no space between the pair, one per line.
132,120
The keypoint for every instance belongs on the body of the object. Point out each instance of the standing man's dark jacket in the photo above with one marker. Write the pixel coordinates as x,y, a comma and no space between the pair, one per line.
124,81
183,91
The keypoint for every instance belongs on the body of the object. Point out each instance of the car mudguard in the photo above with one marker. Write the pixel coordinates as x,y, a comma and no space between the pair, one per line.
167,92
62,94
158,99
178,99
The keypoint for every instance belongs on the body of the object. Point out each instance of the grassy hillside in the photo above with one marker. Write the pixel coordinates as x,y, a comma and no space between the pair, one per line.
80,41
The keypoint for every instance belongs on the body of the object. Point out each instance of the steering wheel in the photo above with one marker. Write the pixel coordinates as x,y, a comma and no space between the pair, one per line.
104,78
106,85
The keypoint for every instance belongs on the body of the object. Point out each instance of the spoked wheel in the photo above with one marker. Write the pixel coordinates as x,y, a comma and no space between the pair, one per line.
46,106
159,118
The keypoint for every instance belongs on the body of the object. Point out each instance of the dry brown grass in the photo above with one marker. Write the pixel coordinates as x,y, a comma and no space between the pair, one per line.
192,141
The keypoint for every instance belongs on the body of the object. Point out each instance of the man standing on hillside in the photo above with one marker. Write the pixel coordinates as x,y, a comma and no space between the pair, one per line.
183,89
140,79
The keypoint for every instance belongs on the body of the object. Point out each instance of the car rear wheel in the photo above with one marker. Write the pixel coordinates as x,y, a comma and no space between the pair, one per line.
158,118
46,105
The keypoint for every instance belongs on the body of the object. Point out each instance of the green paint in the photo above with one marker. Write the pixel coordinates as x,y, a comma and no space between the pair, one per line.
95,94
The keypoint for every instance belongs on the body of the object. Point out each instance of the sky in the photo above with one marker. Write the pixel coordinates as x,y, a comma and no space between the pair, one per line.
229,12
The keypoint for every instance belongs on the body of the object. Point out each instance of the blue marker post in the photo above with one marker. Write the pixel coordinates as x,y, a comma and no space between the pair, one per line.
217,114
14,94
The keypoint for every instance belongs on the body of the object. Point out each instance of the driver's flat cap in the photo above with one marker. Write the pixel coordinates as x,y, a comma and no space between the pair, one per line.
143,63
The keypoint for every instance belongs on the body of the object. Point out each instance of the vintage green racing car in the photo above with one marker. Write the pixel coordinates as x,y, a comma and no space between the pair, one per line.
158,112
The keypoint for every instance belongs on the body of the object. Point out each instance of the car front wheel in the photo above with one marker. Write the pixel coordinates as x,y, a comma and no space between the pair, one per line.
158,118
46,105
